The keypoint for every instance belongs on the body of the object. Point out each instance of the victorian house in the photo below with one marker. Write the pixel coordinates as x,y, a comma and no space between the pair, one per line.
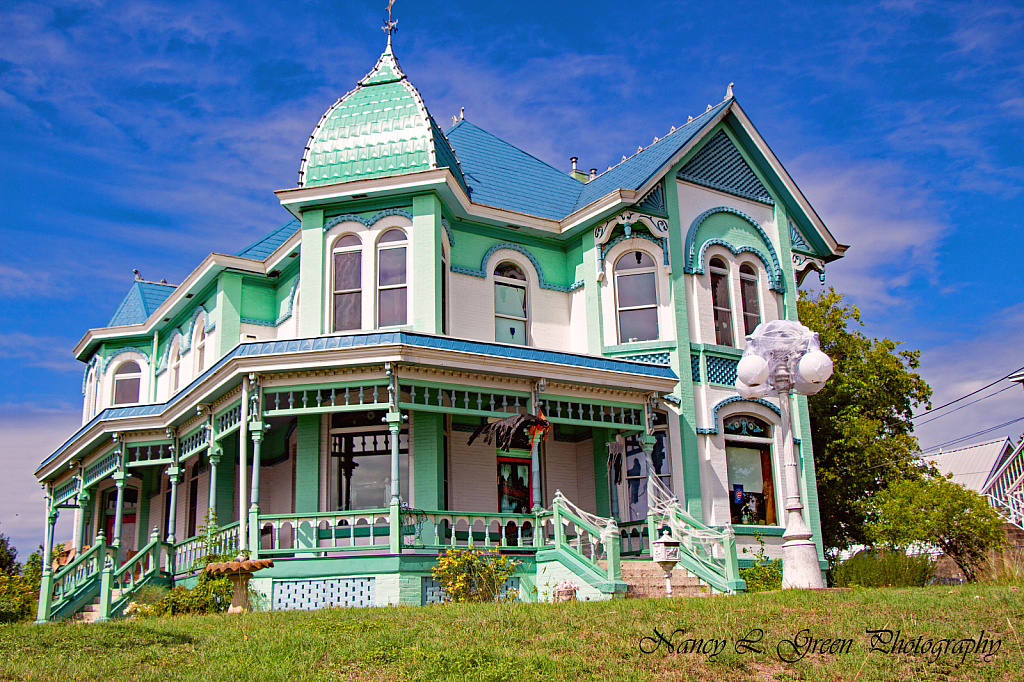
311,396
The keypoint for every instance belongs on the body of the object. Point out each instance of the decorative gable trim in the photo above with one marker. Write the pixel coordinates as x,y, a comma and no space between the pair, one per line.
448,229
735,399
796,239
105,363
695,264
542,282
719,165
352,217
654,201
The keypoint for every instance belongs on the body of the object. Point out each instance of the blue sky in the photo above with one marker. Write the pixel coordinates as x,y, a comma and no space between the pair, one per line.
147,134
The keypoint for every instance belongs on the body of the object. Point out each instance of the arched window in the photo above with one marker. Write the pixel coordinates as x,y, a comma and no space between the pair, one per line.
748,296
391,282
127,380
175,364
720,301
510,306
199,345
636,296
348,288
748,456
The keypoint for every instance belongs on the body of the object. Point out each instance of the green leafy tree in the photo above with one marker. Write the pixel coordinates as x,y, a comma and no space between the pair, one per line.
8,557
935,511
861,426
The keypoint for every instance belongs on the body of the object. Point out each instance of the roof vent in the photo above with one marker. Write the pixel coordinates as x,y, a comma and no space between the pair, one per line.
593,173
575,172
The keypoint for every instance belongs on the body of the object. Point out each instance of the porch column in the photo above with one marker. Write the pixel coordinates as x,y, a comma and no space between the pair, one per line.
82,520
173,473
535,475
394,420
119,481
243,463
215,453
46,582
256,428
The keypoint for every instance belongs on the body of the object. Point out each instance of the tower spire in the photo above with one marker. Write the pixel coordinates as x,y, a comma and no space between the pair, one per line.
389,25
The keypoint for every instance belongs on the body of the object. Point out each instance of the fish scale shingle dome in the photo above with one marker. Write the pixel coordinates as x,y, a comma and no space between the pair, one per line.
381,128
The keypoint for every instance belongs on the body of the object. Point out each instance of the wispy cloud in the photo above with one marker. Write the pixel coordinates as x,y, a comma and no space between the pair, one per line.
36,351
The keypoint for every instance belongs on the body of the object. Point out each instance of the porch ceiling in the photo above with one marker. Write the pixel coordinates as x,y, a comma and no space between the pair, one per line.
322,355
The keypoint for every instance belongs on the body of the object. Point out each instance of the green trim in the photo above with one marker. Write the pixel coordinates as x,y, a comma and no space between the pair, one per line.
428,460
425,296
690,475
228,312
311,274
767,531
629,348
307,464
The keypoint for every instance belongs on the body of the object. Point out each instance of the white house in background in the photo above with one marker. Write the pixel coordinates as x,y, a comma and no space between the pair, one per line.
994,469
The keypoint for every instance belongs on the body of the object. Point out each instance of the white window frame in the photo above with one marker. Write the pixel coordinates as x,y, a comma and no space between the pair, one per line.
653,269
379,247
523,284
756,279
335,249
726,272
114,379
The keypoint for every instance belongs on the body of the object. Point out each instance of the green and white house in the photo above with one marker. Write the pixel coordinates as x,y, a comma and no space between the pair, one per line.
315,391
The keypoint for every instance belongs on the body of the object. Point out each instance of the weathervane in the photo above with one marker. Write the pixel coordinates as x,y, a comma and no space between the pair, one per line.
389,25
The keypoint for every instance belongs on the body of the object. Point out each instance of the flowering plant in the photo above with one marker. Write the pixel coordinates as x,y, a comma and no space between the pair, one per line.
566,586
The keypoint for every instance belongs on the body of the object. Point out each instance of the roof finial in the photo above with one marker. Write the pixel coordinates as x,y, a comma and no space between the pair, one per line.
728,91
138,277
462,113
390,25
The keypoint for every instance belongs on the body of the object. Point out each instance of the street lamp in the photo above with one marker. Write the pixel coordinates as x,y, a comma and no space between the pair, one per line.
665,552
784,357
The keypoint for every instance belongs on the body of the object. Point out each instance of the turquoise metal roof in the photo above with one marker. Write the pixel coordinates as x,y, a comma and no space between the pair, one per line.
142,299
262,248
381,128
414,339
500,174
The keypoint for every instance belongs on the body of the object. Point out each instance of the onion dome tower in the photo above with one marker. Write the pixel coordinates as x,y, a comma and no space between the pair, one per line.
381,128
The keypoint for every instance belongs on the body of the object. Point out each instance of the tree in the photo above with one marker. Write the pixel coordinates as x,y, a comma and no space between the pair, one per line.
935,511
8,557
861,427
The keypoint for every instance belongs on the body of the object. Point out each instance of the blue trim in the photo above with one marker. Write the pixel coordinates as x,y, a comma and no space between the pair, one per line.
735,399
131,349
451,235
654,202
796,239
774,268
346,217
660,241
371,339
542,283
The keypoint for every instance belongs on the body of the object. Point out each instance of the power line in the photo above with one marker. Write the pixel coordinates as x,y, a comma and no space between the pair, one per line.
963,438
1002,390
936,409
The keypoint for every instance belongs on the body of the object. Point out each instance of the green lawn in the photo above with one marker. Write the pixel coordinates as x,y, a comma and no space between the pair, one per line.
600,641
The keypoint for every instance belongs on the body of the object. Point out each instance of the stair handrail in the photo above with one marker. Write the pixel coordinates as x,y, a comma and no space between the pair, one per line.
604,528
95,552
1009,507
696,540
151,552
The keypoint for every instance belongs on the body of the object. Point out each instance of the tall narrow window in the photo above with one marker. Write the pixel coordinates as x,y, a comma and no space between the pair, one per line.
127,380
199,345
193,500
348,293
748,294
720,301
391,283
175,365
510,311
636,292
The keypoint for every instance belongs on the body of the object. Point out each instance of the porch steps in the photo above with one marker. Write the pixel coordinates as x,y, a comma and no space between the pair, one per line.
91,612
644,578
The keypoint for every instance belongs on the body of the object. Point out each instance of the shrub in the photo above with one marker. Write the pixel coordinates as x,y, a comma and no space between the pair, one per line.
765,574
884,568
19,594
470,575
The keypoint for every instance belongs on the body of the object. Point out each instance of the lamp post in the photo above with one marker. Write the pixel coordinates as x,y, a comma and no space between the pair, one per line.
665,552
784,357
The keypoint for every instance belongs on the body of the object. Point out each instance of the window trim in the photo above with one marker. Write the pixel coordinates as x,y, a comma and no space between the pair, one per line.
199,344
387,246
653,269
523,284
756,280
768,442
335,249
114,378
713,271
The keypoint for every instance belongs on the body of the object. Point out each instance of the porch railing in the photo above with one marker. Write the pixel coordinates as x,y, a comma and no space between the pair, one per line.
582,536
1009,506
325,532
443,529
697,548
73,584
634,539
185,553
132,575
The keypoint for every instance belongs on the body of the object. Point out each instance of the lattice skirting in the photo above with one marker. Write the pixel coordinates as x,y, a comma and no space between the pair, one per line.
319,594
431,592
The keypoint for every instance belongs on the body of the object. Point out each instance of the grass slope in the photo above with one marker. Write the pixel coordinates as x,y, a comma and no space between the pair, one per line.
583,641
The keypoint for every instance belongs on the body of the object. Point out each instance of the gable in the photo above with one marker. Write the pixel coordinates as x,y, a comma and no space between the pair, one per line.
719,165
736,231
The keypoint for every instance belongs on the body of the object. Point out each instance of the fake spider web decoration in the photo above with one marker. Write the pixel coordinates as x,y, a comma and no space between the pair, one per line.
662,503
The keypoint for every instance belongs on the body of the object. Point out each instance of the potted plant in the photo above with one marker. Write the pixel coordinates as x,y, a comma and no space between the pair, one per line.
565,591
